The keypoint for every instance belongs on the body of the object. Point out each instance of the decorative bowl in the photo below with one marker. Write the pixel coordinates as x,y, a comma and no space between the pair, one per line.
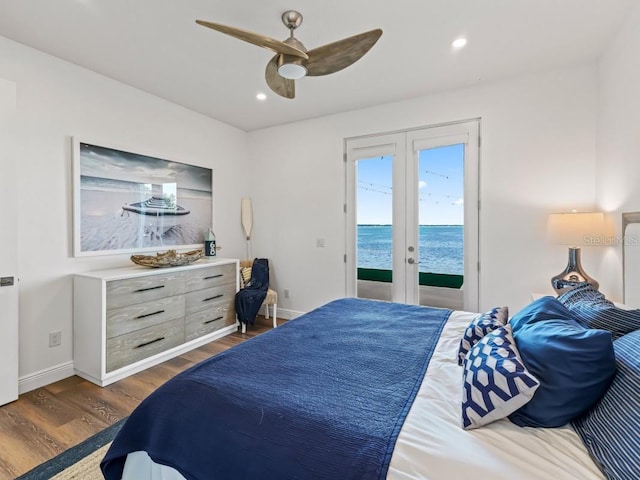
170,258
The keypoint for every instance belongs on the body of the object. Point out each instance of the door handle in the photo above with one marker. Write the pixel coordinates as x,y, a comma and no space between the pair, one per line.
411,261
6,281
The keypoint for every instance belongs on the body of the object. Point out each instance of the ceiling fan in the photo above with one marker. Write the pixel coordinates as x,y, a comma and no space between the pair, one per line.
293,61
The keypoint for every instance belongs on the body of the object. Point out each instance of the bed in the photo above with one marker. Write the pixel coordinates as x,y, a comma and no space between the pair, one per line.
278,407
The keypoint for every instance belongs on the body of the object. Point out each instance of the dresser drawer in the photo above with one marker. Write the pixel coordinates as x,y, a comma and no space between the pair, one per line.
131,347
203,299
141,315
213,318
137,290
200,278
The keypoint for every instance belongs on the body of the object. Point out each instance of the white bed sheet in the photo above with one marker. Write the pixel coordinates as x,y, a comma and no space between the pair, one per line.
433,446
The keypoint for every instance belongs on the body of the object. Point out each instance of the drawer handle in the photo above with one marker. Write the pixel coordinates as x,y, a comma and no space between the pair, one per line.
147,289
214,276
149,314
159,339
214,297
212,320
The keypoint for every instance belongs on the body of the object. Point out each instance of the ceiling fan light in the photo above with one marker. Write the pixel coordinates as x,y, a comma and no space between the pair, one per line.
291,67
292,71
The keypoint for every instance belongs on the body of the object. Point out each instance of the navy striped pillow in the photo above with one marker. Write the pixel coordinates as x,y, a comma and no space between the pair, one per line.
590,307
610,430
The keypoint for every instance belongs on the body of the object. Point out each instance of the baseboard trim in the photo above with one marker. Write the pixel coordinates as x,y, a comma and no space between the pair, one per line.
288,314
45,377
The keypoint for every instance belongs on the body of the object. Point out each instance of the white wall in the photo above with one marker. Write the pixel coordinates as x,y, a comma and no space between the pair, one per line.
537,156
57,100
618,154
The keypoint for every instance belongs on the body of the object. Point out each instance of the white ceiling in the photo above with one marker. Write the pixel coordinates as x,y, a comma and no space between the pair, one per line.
156,46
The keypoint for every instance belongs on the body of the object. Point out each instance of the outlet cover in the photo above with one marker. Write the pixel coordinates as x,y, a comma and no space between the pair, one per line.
55,339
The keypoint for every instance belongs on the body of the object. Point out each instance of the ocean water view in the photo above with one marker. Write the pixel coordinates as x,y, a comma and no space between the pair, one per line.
440,246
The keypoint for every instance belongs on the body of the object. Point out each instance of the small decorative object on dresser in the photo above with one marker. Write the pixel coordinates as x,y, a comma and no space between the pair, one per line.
210,244
127,319
170,258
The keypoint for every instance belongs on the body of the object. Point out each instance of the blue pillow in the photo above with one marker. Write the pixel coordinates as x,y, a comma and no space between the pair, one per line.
590,307
479,327
611,430
574,365
495,382
544,308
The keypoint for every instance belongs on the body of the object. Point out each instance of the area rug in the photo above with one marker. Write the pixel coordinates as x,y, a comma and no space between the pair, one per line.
81,462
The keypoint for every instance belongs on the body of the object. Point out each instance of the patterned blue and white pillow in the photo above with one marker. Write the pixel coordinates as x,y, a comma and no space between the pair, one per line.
495,381
479,327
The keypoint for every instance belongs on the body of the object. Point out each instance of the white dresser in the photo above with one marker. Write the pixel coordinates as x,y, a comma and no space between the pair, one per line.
128,319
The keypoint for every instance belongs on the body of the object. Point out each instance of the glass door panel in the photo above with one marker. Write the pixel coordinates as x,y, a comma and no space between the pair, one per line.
441,225
374,220
442,189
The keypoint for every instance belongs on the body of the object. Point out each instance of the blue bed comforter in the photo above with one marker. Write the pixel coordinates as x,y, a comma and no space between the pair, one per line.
323,396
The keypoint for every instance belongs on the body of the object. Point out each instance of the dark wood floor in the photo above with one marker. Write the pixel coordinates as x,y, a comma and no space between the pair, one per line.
47,421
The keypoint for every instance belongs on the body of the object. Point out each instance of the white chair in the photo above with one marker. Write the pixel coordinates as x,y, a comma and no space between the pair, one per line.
270,299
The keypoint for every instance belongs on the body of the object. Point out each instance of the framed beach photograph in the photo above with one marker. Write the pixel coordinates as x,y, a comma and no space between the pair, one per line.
126,202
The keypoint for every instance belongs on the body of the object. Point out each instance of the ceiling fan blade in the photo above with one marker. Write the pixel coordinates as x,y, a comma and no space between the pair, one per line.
255,38
282,86
335,56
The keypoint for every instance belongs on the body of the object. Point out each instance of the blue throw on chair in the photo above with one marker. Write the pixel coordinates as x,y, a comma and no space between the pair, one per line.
250,298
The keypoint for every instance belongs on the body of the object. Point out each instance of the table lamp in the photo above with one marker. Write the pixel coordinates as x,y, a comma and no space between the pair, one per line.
574,229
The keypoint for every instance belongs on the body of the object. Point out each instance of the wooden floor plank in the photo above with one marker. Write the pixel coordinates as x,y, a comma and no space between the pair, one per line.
28,442
48,406
65,384
46,421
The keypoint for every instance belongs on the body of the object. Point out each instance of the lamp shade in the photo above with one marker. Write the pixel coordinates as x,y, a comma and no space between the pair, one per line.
574,228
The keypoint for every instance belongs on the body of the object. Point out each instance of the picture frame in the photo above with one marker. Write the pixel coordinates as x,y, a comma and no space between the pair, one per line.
127,201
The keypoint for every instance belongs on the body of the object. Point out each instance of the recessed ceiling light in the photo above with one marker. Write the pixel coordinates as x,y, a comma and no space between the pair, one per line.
459,43
261,96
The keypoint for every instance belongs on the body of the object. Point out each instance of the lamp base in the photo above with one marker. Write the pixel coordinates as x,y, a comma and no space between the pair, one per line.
573,275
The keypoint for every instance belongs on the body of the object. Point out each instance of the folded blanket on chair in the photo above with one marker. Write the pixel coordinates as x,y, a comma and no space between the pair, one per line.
250,298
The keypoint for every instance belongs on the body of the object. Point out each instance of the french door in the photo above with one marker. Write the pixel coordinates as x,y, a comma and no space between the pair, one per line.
412,214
